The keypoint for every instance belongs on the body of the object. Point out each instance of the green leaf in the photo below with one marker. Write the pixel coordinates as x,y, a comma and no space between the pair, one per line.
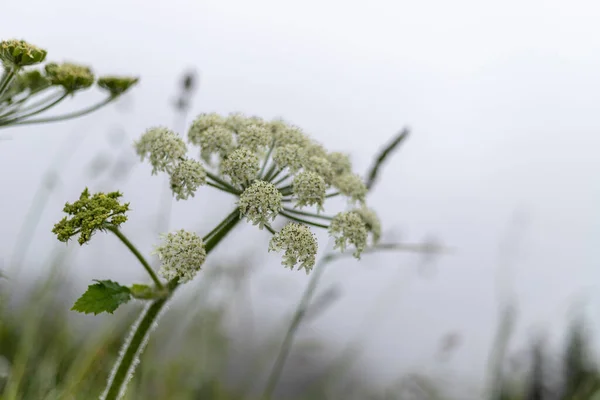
104,296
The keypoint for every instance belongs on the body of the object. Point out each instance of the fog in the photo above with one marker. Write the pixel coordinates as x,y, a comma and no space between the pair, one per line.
502,101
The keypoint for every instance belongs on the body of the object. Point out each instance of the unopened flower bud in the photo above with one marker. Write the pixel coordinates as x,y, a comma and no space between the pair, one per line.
19,53
72,77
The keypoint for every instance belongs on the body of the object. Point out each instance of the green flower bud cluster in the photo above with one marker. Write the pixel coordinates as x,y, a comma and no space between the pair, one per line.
18,53
116,85
90,214
72,77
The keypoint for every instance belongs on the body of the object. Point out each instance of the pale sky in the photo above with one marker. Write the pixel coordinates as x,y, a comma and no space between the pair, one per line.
502,99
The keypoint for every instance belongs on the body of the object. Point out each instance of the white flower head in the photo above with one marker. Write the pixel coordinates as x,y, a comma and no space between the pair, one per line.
321,166
187,176
182,255
203,122
309,189
340,163
241,165
348,227
260,203
299,244
163,147
316,149
216,139
255,137
289,156
351,185
289,135
371,220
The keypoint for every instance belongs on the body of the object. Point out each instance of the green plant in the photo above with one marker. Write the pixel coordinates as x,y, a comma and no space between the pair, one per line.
26,93
272,168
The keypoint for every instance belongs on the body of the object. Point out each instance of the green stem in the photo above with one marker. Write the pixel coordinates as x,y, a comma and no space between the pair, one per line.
136,253
124,368
270,172
270,229
333,194
19,120
280,180
223,188
16,109
302,220
223,183
297,318
234,214
69,116
7,80
307,214
262,170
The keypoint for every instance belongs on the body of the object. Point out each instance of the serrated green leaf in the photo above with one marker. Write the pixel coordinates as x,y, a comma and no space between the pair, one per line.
104,296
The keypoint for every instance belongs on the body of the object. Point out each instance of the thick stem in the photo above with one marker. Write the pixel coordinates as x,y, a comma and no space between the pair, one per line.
222,188
124,368
136,253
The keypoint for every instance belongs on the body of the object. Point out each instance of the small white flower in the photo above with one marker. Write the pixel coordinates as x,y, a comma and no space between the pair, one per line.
163,147
289,135
309,189
241,165
348,227
182,254
289,156
203,122
321,166
371,220
254,137
186,178
340,163
351,185
299,243
215,139
260,203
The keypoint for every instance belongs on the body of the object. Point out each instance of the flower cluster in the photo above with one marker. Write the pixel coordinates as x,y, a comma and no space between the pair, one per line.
90,214
182,255
18,53
275,170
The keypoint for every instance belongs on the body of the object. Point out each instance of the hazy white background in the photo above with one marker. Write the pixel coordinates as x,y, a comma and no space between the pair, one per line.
502,99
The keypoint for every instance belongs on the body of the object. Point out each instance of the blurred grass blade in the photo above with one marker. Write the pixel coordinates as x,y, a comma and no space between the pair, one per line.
383,155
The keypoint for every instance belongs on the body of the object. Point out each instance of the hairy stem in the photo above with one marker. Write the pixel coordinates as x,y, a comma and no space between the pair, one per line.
124,368
136,253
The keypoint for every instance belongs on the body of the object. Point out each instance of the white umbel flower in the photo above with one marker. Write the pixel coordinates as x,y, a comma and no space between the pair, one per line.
309,189
351,185
186,178
163,148
216,139
372,222
260,203
255,137
349,228
241,165
299,244
182,255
